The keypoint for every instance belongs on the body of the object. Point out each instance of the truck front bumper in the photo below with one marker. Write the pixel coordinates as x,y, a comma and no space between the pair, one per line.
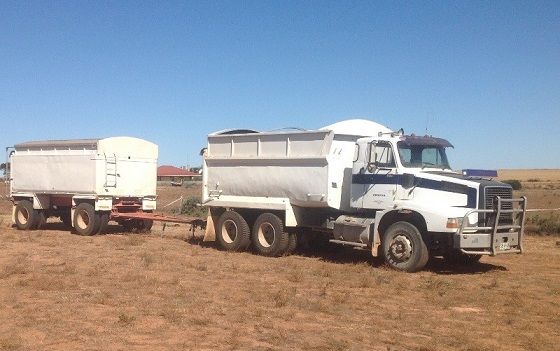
497,238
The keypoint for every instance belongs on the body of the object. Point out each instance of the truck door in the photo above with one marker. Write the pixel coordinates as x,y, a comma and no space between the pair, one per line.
380,176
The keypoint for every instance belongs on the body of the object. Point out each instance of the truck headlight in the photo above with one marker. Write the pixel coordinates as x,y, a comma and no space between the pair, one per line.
454,223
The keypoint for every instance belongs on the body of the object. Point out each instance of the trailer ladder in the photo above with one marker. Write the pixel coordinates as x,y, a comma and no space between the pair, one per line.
111,171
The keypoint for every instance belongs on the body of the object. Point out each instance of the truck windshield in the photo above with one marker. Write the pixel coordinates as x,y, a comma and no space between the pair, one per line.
423,156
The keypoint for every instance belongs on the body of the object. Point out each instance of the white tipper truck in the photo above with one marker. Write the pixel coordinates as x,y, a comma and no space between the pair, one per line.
359,184
85,182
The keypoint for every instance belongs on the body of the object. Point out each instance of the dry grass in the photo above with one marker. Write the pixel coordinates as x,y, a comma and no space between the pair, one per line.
158,292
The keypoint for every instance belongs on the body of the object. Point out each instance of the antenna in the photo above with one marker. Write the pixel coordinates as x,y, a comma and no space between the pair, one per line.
427,122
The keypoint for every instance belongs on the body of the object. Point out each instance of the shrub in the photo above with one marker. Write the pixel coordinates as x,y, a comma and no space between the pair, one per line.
546,224
515,184
190,207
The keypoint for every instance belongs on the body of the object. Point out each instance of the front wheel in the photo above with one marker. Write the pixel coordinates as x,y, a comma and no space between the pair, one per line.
403,247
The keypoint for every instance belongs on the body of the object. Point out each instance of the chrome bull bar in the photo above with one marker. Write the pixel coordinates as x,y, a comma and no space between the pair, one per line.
496,239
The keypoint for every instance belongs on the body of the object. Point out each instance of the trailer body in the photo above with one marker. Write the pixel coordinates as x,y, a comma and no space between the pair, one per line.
111,174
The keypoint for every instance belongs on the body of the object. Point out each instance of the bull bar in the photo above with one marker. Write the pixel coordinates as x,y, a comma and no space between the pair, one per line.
497,236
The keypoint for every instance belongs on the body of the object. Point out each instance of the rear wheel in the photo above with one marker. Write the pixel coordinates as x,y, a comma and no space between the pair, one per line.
143,225
292,244
103,222
66,218
233,232
41,219
269,238
403,247
26,217
86,220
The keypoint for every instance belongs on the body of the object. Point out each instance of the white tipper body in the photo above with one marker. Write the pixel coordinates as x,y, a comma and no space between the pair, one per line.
100,169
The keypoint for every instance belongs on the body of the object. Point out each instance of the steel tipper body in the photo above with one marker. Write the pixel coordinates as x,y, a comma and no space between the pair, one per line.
360,184
84,182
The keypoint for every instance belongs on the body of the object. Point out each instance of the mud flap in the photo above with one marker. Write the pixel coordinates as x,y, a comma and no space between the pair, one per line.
210,232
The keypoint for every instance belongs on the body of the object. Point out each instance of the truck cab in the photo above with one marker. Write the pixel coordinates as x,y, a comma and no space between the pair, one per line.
407,178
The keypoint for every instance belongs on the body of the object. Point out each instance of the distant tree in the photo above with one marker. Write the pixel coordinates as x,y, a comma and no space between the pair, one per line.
515,184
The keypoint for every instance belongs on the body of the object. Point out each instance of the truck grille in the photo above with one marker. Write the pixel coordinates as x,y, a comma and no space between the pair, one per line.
490,194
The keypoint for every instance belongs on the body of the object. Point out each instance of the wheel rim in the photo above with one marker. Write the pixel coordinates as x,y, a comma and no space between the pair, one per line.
229,231
266,234
82,219
400,248
23,216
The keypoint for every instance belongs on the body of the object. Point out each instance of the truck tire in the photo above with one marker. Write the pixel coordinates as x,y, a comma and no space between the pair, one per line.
26,217
233,232
269,238
86,220
403,247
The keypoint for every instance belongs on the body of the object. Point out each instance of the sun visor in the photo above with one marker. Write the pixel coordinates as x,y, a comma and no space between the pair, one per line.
413,140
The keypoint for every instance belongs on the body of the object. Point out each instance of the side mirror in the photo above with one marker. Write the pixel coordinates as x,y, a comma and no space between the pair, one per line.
407,180
371,167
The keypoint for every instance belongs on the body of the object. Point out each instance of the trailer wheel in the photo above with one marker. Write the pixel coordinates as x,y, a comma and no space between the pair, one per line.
103,222
292,243
143,225
128,225
403,247
269,238
26,217
66,218
86,220
233,232
41,219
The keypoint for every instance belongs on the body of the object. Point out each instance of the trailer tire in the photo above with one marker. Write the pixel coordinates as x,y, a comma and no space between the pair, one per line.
66,218
233,233
41,219
269,237
143,225
128,225
25,216
403,247
292,244
103,222
86,220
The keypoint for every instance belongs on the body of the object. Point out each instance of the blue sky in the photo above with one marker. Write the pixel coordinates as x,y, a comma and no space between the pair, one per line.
485,75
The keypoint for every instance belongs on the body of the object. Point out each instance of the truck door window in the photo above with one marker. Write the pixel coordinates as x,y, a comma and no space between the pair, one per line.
381,155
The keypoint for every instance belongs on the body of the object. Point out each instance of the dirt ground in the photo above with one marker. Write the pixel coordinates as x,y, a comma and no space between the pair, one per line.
167,291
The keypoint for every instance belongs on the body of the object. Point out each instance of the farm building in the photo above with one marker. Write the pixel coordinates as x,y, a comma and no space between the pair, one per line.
176,174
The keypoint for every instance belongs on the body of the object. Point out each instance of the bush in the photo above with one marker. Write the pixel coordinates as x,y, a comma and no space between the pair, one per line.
546,224
190,207
515,184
